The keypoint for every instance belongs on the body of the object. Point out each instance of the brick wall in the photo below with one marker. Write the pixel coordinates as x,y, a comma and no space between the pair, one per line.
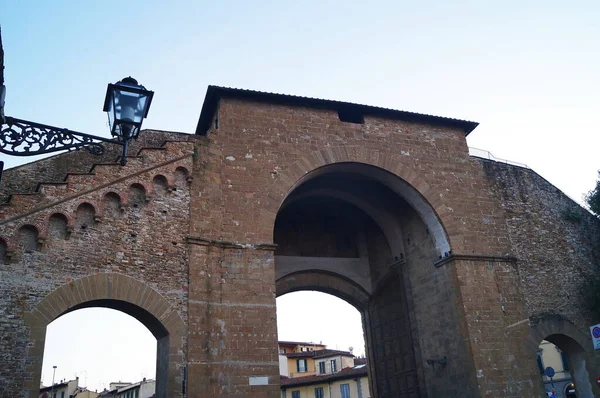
191,226
554,239
555,242
109,238
259,152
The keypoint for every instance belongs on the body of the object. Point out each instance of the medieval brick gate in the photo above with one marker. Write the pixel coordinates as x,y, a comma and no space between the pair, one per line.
444,254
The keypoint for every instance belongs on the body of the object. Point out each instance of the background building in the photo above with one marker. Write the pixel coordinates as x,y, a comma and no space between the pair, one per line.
64,389
141,389
347,383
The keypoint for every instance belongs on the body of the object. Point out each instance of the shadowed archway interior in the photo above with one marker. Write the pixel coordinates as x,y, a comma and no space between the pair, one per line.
351,230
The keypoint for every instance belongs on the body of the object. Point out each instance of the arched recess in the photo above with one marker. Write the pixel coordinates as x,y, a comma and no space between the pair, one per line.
576,345
123,293
388,169
325,282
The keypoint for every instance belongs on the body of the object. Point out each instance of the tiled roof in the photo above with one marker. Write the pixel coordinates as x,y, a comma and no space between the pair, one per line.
330,353
56,385
318,354
214,93
302,354
347,373
360,361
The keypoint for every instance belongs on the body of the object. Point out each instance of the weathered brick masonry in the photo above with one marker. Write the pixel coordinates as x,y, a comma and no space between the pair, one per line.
445,255
114,237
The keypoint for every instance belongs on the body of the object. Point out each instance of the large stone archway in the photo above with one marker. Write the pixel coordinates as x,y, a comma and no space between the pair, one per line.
363,234
401,177
123,293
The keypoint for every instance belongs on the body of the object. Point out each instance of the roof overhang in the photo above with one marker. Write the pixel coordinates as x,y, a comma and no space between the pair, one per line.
215,93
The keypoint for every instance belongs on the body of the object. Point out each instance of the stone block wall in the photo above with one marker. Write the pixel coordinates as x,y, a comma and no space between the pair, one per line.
554,239
260,151
115,238
190,228
556,243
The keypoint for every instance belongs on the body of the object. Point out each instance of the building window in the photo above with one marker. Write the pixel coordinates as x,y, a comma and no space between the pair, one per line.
296,394
62,394
301,365
282,351
345,390
322,367
333,366
319,392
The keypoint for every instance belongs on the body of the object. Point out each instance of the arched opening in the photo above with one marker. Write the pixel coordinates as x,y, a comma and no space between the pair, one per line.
93,347
566,358
365,235
321,345
555,342
124,294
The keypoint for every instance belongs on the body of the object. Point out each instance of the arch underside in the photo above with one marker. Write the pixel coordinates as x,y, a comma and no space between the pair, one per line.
121,293
325,282
396,184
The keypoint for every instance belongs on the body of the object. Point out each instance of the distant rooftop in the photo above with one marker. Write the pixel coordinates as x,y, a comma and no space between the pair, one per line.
215,93
318,354
300,343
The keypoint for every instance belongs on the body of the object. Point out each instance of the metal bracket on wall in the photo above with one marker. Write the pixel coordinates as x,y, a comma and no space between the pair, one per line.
437,361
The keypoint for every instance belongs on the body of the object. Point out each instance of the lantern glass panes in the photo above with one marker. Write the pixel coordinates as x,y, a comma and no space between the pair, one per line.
127,104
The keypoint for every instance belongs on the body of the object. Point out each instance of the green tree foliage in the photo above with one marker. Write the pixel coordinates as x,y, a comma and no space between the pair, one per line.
590,288
593,198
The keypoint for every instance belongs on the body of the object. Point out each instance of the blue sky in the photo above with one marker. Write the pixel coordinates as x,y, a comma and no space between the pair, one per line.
527,71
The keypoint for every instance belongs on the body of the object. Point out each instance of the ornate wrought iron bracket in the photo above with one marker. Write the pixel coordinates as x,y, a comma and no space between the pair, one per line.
24,138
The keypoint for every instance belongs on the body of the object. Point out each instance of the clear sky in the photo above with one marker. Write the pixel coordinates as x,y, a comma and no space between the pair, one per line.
527,71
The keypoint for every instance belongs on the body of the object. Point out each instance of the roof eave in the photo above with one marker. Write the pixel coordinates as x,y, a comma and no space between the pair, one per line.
215,93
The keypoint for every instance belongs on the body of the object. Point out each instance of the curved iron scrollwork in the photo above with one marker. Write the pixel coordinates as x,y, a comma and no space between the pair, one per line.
23,138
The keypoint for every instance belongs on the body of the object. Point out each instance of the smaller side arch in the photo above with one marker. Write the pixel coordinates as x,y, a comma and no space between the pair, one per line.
550,325
119,292
573,342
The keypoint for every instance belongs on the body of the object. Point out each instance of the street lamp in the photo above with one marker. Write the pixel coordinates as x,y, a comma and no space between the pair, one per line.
126,102
52,389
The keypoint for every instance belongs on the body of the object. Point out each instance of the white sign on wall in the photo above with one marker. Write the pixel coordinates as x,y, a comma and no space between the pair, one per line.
258,381
595,331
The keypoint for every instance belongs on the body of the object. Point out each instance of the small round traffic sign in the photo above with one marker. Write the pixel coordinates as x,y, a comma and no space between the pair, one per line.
549,371
598,380
596,332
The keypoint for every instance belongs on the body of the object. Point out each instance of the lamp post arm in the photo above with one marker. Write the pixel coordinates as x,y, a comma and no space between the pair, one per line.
24,138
